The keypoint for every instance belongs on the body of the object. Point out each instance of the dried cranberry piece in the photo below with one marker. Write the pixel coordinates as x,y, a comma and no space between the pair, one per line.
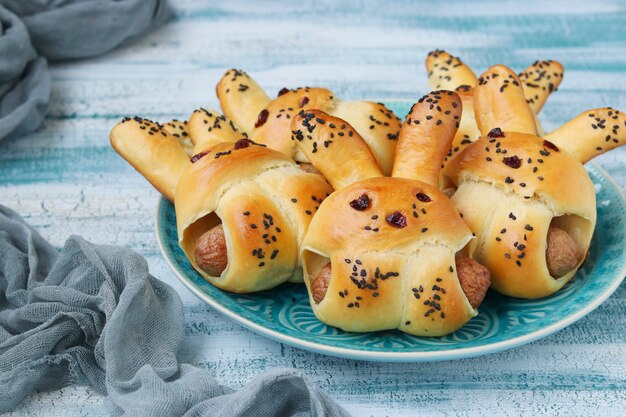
262,118
550,145
495,133
422,197
304,101
361,203
397,219
512,161
243,143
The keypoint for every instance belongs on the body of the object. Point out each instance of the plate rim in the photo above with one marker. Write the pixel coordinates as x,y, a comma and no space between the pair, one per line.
382,356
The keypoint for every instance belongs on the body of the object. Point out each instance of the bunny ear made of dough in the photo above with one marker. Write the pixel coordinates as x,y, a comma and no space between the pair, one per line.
152,150
334,147
591,133
539,80
180,130
426,136
208,128
499,102
241,98
447,72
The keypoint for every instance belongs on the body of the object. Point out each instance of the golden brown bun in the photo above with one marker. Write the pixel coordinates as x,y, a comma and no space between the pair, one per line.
591,133
376,124
540,80
426,136
334,147
500,95
208,128
391,242
447,72
511,188
180,130
273,127
264,202
383,275
152,151
241,98
468,130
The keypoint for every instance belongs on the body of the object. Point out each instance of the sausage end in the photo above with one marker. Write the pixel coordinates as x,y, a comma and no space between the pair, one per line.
474,278
319,284
562,252
210,253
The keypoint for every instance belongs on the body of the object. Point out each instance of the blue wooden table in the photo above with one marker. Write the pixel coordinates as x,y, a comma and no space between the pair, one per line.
66,179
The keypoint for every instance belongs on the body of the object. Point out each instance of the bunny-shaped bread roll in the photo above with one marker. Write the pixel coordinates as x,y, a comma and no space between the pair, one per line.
268,121
539,80
241,209
389,253
528,199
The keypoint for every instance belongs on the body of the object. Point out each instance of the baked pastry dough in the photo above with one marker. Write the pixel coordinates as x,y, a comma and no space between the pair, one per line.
263,201
380,252
242,209
268,121
153,150
539,80
208,128
528,199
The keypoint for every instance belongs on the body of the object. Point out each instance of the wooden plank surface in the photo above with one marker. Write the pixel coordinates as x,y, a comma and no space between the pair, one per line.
66,179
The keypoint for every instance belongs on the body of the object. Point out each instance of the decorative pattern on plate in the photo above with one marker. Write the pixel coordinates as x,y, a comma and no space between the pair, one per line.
284,313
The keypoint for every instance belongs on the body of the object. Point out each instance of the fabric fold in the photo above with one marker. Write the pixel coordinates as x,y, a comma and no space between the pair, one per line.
72,29
37,31
94,314
24,79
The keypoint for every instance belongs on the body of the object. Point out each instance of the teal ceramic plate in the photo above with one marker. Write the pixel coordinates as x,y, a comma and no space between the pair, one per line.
283,313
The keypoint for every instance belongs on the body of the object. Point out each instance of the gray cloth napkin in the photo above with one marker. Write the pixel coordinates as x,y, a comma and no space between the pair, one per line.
93,314
33,31
24,79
